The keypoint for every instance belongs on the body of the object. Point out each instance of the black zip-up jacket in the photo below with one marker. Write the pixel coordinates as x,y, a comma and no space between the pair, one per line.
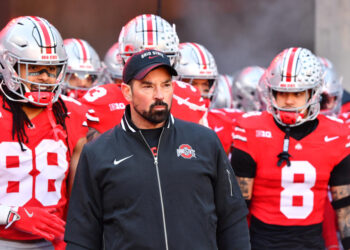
186,197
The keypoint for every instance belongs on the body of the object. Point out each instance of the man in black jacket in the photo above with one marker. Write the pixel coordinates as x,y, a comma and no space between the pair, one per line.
155,182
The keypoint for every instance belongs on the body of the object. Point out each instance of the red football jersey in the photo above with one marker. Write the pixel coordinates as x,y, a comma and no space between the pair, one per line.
233,114
293,195
106,105
222,125
37,176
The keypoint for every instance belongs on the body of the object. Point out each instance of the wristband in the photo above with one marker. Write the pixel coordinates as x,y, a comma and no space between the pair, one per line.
343,202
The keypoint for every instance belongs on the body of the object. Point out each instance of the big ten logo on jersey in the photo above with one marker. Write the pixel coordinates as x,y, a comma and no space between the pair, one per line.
116,106
33,174
262,133
95,93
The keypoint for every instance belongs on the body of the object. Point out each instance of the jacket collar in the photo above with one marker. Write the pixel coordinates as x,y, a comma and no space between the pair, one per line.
129,126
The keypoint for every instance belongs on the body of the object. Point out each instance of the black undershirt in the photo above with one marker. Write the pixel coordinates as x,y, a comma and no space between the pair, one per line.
152,138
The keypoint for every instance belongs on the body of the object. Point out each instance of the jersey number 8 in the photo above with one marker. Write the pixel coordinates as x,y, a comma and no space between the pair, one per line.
297,199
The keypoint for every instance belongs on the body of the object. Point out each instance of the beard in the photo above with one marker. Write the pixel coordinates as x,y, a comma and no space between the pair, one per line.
155,116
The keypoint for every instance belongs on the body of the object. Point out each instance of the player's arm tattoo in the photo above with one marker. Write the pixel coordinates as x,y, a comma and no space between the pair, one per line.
343,214
246,186
92,134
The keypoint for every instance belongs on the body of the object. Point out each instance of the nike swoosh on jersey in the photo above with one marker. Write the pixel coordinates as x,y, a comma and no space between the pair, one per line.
121,160
218,129
29,214
328,139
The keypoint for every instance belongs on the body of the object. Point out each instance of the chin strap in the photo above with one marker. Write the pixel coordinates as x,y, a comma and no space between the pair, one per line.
284,156
57,128
290,118
39,97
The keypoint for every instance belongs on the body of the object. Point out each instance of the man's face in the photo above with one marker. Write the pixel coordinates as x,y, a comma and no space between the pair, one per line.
202,84
291,100
151,98
39,74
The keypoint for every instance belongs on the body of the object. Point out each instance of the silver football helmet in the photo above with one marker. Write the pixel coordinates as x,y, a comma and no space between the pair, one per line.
222,93
294,70
113,64
25,41
245,93
83,64
332,90
148,32
196,62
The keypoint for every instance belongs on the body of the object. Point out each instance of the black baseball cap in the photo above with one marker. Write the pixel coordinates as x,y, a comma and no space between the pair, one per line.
141,63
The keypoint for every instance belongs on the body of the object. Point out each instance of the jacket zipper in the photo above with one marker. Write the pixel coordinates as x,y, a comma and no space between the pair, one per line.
159,185
229,180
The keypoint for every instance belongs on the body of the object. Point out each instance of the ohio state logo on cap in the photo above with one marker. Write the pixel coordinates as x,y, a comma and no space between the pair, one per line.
186,151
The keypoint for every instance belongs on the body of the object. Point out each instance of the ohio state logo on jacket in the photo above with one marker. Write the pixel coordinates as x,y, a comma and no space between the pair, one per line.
186,151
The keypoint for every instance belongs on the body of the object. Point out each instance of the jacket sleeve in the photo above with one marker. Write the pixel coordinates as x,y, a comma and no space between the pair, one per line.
84,220
232,227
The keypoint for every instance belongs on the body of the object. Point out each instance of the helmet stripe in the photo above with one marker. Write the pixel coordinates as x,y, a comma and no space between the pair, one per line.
200,54
291,58
149,29
83,52
44,32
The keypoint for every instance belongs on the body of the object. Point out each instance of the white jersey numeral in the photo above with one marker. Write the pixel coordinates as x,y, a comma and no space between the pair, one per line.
297,199
95,93
23,177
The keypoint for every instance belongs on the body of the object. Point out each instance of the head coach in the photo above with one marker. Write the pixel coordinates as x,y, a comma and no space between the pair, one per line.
153,181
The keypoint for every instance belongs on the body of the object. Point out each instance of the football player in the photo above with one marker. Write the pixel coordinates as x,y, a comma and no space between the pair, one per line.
84,67
41,136
285,158
197,67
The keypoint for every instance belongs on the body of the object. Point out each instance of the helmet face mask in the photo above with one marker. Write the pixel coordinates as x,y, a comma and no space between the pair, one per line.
22,43
294,70
149,32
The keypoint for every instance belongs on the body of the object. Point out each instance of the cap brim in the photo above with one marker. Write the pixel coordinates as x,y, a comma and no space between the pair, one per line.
149,68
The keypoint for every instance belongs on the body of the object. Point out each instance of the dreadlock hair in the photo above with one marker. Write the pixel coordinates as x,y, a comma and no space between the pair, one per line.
20,119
